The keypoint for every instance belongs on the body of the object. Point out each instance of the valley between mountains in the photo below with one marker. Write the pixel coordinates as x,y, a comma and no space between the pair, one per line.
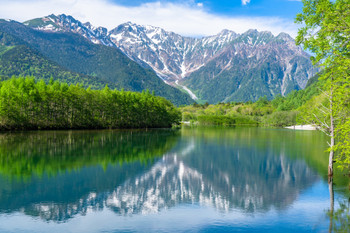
222,68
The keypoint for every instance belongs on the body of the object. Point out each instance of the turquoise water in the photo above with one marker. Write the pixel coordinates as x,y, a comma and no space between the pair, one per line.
202,179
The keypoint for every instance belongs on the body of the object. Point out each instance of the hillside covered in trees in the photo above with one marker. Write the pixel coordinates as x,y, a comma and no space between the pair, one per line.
18,59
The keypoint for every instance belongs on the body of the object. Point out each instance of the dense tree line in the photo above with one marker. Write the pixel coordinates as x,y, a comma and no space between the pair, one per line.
28,104
261,112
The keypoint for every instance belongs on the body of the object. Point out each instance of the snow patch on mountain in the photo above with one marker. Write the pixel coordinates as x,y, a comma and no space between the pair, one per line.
193,96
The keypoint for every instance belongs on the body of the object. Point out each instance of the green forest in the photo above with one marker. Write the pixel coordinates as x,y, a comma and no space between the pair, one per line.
29,104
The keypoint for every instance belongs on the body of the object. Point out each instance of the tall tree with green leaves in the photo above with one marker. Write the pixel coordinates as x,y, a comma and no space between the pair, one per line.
325,32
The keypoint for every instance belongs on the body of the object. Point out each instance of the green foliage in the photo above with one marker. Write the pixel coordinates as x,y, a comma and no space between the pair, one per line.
310,111
262,102
296,99
27,104
4,48
342,111
281,118
229,113
326,29
326,33
186,116
225,120
343,145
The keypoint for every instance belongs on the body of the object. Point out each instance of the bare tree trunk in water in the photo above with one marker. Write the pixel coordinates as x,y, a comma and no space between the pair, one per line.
331,197
331,153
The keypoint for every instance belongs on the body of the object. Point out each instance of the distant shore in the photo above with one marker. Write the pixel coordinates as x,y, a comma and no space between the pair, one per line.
302,127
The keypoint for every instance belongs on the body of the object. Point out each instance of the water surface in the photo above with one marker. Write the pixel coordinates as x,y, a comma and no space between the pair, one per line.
200,179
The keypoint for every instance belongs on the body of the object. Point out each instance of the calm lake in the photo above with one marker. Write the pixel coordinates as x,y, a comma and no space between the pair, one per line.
195,179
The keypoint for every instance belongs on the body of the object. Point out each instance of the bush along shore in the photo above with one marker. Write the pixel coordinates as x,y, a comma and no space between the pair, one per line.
238,114
26,104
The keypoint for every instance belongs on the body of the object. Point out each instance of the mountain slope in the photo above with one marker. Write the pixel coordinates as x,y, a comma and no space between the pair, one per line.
18,59
266,65
77,54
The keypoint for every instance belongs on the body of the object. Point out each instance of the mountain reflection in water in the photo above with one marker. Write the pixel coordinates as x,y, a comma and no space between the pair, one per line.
143,172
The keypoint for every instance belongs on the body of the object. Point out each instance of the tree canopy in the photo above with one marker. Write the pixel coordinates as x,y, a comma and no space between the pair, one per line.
28,104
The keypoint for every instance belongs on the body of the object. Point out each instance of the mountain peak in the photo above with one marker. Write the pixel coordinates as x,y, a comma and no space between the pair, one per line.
228,34
136,27
226,31
284,36
67,23
128,24
88,24
252,31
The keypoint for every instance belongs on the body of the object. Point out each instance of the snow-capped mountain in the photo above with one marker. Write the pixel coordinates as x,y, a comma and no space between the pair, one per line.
64,23
228,61
170,55
255,64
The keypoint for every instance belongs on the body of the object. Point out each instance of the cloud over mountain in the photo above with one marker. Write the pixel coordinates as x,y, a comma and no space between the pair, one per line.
245,2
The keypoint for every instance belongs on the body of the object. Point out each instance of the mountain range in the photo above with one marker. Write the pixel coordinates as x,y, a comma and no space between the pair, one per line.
220,68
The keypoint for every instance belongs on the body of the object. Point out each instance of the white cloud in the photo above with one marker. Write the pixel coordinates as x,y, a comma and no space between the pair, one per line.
185,19
245,2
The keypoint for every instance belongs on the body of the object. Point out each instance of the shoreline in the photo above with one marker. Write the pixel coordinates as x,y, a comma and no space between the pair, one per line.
302,127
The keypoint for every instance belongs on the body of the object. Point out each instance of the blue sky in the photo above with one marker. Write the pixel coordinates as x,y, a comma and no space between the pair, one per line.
186,17
282,8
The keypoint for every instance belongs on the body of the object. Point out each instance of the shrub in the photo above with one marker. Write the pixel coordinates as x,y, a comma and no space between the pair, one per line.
281,118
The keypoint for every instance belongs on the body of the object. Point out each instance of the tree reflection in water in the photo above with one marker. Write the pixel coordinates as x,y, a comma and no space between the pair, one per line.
339,218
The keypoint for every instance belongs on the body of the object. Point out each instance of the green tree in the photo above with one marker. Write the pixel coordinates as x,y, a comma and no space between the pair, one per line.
326,33
262,101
